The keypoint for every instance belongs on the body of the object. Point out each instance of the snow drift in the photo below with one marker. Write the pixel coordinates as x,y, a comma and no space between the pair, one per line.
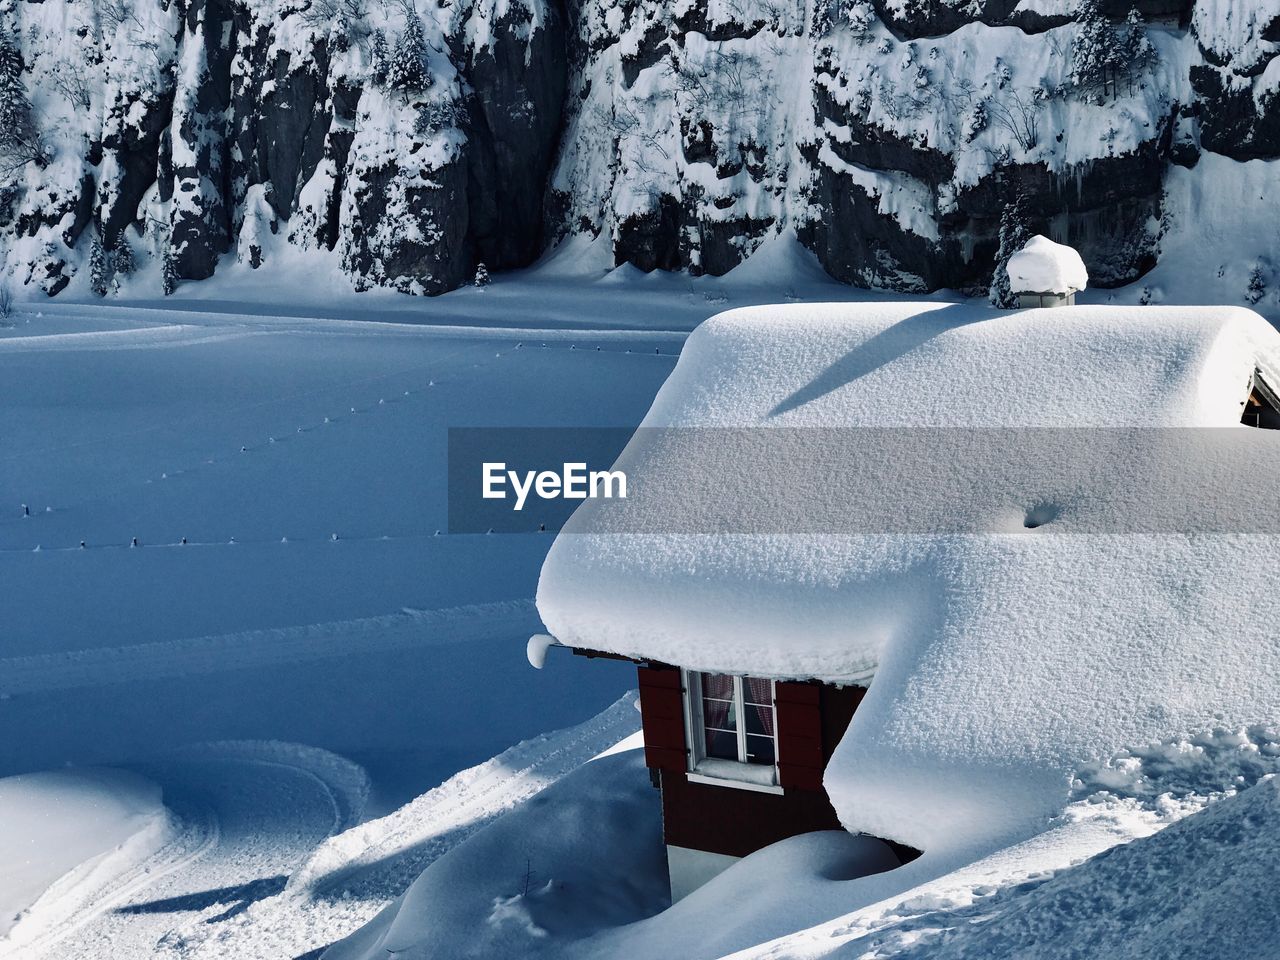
1199,890
58,821
584,855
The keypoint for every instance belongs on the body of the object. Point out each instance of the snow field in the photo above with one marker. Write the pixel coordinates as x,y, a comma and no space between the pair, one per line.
360,641
124,424
1089,877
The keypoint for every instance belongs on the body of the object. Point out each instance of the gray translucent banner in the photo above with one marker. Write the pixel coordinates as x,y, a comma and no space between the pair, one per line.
873,481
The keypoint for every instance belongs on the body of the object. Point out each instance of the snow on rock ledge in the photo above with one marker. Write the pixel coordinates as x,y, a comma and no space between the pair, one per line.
1003,659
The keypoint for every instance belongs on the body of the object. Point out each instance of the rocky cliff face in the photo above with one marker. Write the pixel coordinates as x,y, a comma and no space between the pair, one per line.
415,138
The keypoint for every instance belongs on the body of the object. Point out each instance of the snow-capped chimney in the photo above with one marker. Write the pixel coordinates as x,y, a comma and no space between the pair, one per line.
1046,274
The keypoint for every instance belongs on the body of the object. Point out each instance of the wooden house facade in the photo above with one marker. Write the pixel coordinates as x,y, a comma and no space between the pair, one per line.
739,762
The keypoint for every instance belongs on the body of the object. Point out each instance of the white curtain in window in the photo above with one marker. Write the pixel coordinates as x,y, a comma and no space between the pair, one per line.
717,698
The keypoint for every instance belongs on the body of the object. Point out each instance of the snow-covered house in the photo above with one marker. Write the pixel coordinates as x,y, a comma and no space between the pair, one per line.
936,684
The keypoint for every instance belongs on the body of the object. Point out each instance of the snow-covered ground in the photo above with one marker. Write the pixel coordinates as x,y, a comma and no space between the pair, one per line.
325,686
319,624
316,600
55,821
1167,853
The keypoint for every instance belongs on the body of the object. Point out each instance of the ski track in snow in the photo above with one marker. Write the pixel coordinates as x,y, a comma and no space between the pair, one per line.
244,814
266,859
143,338
200,326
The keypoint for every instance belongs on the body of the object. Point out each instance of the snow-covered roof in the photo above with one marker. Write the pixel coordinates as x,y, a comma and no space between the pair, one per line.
1003,657
1043,266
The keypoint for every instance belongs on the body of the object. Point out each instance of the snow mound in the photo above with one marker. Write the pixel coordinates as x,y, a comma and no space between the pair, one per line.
1202,889
56,821
1163,782
1043,266
1004,659
1217,242
786,886
584,855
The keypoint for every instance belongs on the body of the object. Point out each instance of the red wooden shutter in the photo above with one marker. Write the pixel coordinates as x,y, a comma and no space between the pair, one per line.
662,716
800,756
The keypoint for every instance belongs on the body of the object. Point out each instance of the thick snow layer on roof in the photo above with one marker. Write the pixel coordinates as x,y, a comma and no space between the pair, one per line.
1003,658
1043,266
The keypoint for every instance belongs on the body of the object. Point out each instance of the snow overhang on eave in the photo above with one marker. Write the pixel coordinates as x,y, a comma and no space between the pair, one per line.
540,643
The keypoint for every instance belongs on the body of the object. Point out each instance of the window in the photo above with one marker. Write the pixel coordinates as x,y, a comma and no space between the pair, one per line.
1261,406
732,730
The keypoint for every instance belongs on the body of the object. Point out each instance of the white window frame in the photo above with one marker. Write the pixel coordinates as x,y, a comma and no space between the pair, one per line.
717,771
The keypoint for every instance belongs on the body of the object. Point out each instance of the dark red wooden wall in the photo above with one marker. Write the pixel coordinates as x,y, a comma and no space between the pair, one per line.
737,822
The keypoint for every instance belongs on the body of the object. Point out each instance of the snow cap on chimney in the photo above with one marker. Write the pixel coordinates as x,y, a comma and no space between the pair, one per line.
1046,274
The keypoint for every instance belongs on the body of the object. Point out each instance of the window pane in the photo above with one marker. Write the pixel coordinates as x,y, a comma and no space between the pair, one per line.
719,713
717,686
719,716
759,749
759,720
722,744
721,724
757,690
